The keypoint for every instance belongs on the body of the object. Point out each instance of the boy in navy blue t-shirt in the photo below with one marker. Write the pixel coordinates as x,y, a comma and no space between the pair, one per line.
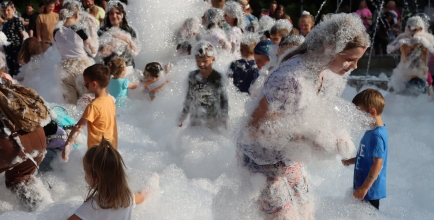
245,71
371,160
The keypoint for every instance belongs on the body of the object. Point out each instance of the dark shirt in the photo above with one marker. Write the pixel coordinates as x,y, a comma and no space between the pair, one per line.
206,97
12,29
126,55
244,73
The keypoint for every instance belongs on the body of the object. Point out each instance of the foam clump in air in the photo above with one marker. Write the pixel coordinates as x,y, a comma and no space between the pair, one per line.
235,10
189,32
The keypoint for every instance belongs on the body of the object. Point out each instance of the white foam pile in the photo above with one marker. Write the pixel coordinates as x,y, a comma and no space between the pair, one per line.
199,175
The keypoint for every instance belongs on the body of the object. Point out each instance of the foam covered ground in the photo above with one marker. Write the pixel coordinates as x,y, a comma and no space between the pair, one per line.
197,166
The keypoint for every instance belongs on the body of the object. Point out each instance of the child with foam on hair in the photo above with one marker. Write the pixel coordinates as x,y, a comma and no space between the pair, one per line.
212,21
245,71
235,18
119,86
371,161
155,78
262,53
289,42
99,115
280,29
189,33
109,197
306,23
415,44
206,100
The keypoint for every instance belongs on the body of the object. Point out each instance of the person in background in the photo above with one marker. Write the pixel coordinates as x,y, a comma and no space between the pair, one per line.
94,12
101,12
306,23
104,4
272,10
391,7
365,14
45,25
26,16
218,3
13,28
248,13
57,6
280,13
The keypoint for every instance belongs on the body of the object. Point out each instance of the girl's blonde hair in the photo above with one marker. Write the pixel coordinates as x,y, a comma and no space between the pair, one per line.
308,16
30,47
117,66
104,167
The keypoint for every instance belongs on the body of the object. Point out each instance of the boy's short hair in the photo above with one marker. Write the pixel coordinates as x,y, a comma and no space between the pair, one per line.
204,48
93,9
248,49
117,66
370,98
99,73
249,42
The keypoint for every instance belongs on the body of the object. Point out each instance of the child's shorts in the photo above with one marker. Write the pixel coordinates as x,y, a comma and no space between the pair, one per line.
286,185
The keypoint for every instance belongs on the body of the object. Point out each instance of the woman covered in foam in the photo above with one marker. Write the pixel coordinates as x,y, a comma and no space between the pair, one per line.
300,116
415,45
117,37
75,37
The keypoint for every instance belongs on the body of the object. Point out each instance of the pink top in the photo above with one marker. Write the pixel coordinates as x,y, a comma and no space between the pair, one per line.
364,13
429,80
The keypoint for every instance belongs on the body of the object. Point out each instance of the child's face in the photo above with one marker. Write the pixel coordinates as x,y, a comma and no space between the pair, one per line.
415,31
347,60
115,17
305,25
9,12
275,39
261,60
204,63
91,86
230,20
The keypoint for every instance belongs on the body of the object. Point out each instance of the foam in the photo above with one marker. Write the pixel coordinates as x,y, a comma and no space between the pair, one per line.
199,175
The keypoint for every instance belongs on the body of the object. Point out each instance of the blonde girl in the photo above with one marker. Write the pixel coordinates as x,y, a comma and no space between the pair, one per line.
306,23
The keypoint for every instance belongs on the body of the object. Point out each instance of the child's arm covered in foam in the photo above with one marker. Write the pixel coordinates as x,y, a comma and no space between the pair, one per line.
76,130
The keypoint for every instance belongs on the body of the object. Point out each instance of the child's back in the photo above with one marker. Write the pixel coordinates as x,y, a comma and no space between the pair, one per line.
91,210
118,88
244,73
101,117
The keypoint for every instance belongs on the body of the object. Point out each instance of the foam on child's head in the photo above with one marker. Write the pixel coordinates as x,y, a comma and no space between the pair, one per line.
415,23
113,4
192,24
250,39
213,16
235,10
292,39
281,25
204,48
266,23
154,69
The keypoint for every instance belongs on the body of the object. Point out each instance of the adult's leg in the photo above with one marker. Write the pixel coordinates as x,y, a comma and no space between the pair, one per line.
12,59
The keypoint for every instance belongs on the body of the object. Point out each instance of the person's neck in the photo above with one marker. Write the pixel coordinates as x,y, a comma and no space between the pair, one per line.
378,121
249,57
116,25
30,13
101,93
69,22
206,73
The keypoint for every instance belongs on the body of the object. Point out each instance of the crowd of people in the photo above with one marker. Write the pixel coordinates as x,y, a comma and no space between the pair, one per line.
285,71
